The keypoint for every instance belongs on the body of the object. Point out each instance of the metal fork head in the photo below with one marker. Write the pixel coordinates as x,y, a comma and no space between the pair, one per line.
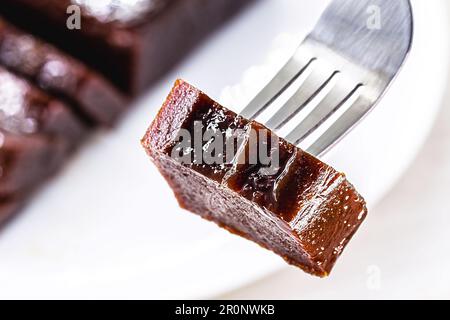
354,52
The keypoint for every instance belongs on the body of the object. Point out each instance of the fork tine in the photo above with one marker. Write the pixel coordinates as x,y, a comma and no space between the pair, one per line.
344,43
327,106
307,91
342,125
296,65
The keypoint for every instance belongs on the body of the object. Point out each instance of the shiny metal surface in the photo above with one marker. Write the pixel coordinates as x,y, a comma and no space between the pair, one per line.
361,45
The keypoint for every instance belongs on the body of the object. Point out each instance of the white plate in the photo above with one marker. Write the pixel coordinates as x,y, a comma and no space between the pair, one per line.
109,227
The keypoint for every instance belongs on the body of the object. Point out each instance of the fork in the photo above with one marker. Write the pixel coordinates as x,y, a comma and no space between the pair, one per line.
348,61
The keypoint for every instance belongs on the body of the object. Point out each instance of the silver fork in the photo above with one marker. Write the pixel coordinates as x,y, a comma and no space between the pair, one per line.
357,48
